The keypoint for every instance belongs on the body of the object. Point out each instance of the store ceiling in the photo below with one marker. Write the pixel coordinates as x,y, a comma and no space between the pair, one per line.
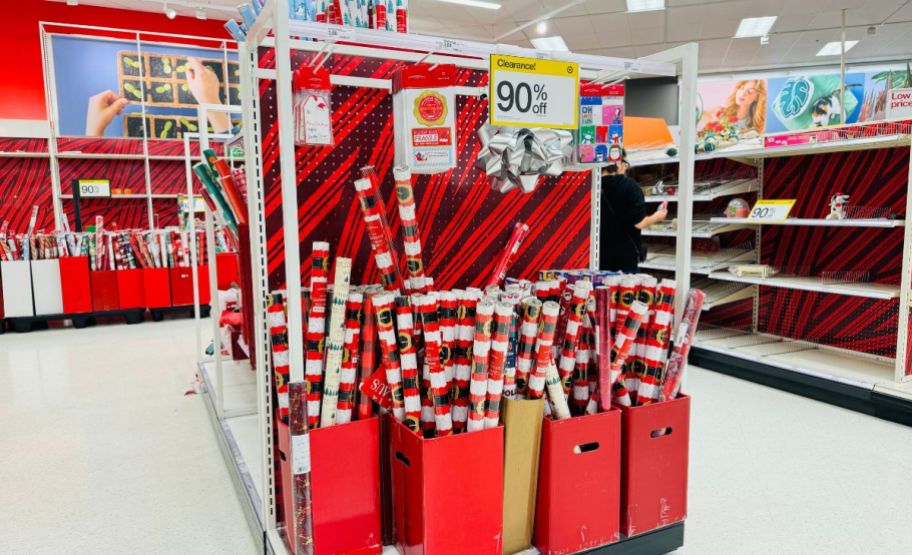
605,27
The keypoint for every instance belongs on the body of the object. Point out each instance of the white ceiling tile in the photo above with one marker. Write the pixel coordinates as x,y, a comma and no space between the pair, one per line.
643,20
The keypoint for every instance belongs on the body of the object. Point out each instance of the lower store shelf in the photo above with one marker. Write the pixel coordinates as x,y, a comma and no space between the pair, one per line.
831,375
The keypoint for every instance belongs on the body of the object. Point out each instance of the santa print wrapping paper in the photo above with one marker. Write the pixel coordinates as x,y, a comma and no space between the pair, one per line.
463,223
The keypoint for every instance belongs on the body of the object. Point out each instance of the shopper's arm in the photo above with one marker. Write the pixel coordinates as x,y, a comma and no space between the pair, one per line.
658,216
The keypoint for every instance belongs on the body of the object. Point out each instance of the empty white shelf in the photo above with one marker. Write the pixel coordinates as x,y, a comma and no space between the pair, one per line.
853,289
724,189
819,222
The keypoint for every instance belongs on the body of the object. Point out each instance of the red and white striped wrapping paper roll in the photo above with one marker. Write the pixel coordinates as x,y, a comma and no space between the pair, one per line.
478,386
520,230
427,308
316,328
386,334
627,294
657,343
278,337
549,314
368,359
511,298
500,342
465,332
542,289
671,380
645,295
300,468
449,304
581,370
335,343
525,351
623,342
378,233
408,357
603,330
405,196
557,400
577,308
350,356
370,173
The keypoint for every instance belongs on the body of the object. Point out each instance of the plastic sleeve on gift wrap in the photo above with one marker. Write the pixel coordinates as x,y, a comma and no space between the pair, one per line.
312,107
683,341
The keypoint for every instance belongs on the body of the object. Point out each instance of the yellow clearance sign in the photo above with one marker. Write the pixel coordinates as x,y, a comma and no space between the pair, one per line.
527,92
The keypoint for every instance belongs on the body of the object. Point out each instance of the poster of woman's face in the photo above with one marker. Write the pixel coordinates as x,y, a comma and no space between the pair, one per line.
737,104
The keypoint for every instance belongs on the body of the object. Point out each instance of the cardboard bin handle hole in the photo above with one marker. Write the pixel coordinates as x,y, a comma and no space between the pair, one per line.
586,447
661,432
403,458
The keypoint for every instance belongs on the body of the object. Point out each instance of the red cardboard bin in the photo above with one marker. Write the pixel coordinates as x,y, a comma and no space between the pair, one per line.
182,285
579,483
447,492
227,269
156,287
654,465
75,284
345,487
130,288
104,290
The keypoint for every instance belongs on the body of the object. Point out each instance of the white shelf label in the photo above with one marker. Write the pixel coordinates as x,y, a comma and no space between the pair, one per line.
525,92
300,454
94,188
771,210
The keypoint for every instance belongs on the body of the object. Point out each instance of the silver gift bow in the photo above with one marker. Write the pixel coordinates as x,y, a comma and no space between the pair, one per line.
516,157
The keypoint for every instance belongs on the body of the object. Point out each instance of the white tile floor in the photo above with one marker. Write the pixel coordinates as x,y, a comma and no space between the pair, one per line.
100,451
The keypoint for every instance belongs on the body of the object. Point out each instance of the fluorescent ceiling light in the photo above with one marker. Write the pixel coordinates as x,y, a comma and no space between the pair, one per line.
550,43
645,5
542,27
835,49
755,26
474,4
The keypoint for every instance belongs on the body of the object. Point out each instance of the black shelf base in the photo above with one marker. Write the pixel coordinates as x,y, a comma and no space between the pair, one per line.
859,399
656,542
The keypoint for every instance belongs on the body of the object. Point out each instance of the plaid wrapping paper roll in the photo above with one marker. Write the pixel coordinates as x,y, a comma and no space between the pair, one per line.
303,509
349,357
603,337
520,230
549,315
478,387
427,308
528,331
386,334
379,235
278,338
409,359
405,196
316,327
558,401
449,304
671,380
657,343
577,308
335,344
368,358
465,333
645,295
623,342
500,342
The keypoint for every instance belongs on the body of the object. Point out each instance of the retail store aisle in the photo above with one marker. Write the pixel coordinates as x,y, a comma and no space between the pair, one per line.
101,451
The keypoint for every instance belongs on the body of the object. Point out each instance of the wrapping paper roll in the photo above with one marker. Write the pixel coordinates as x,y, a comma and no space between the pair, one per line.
408,357
558,401
336,341
645,295
405,195
500,342
278,338
626,295
478,387
510,363
300,447
427,308
623,342
379,234
577,309
465,333
525,351
683,341
386,334
368,359
353,308
549,314
449,305
316,328
603,335
657,343
520,231
581,370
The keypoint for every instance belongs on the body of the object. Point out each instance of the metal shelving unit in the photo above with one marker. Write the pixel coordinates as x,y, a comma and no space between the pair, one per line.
702,229
714,190
820,285
882,223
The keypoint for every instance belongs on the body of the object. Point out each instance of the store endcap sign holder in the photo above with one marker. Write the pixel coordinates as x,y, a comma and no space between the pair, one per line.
528,92
94,188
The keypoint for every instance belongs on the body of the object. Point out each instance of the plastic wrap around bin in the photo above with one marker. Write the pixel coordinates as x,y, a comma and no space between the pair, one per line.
17,288
46,287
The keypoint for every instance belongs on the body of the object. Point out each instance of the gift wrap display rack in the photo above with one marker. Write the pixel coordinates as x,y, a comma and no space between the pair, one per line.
436,369
816,303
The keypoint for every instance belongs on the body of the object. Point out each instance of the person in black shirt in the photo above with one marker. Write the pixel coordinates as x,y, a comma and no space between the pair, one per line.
623,218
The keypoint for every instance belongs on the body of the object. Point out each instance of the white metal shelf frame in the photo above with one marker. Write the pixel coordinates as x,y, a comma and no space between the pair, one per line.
284,39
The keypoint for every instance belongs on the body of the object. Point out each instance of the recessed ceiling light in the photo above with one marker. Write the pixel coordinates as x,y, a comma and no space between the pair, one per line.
474,4
645,5
834,48
550,43
542,27
755,26
169,12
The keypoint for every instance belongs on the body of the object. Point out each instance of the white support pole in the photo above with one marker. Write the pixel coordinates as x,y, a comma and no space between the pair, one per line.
289,191
595,221
188,174
905,295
